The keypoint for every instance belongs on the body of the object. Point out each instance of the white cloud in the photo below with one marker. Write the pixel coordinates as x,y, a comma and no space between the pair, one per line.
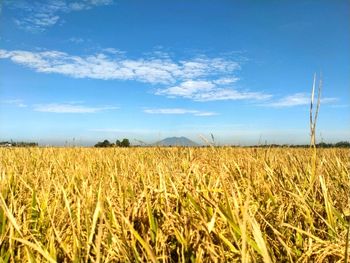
70,108
204,66
39,15
179,111
341,106
328,100
113,51
106,66
223,81
297,99
15,102
292,100
185,78
76,40
187,88
200,90
230,94
205,114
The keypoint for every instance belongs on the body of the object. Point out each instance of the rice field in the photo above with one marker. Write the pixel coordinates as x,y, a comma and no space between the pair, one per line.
174,205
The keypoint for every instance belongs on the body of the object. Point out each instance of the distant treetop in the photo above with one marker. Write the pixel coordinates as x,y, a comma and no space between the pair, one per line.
124,143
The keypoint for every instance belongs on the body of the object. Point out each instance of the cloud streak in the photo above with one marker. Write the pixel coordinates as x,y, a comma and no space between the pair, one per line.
200,90
39,15
182,78
76,40
14,102
179,111
70,108
297,99
113,67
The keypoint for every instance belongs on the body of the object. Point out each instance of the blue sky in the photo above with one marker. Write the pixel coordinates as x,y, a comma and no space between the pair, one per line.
241,70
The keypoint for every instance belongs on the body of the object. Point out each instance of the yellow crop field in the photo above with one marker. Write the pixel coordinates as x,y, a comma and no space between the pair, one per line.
174,205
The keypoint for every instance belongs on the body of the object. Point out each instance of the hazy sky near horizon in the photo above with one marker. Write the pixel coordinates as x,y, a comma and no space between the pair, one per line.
102,69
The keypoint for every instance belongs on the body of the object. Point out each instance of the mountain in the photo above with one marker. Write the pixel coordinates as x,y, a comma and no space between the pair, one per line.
176,141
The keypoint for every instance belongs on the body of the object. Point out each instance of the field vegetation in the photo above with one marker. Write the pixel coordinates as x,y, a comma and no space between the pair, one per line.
174,205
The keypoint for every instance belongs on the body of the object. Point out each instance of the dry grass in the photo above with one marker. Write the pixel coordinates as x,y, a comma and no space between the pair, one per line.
173,205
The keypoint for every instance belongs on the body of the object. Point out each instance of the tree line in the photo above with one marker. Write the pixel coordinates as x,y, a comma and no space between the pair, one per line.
341,144
18,144
106,143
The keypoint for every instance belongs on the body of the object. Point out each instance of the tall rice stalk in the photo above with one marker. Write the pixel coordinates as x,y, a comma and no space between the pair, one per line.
313,121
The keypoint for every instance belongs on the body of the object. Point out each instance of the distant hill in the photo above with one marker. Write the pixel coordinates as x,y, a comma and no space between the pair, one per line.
176,141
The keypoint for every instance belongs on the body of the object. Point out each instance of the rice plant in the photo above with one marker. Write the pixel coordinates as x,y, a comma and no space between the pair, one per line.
174,205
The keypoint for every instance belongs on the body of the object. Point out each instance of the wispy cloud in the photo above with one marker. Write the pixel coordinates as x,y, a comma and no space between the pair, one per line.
70,108
341,106
39,15
76,40
15,102
187,88
113,51
110,66
297,99
179,111
200,90
183,78
329,100
227,80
